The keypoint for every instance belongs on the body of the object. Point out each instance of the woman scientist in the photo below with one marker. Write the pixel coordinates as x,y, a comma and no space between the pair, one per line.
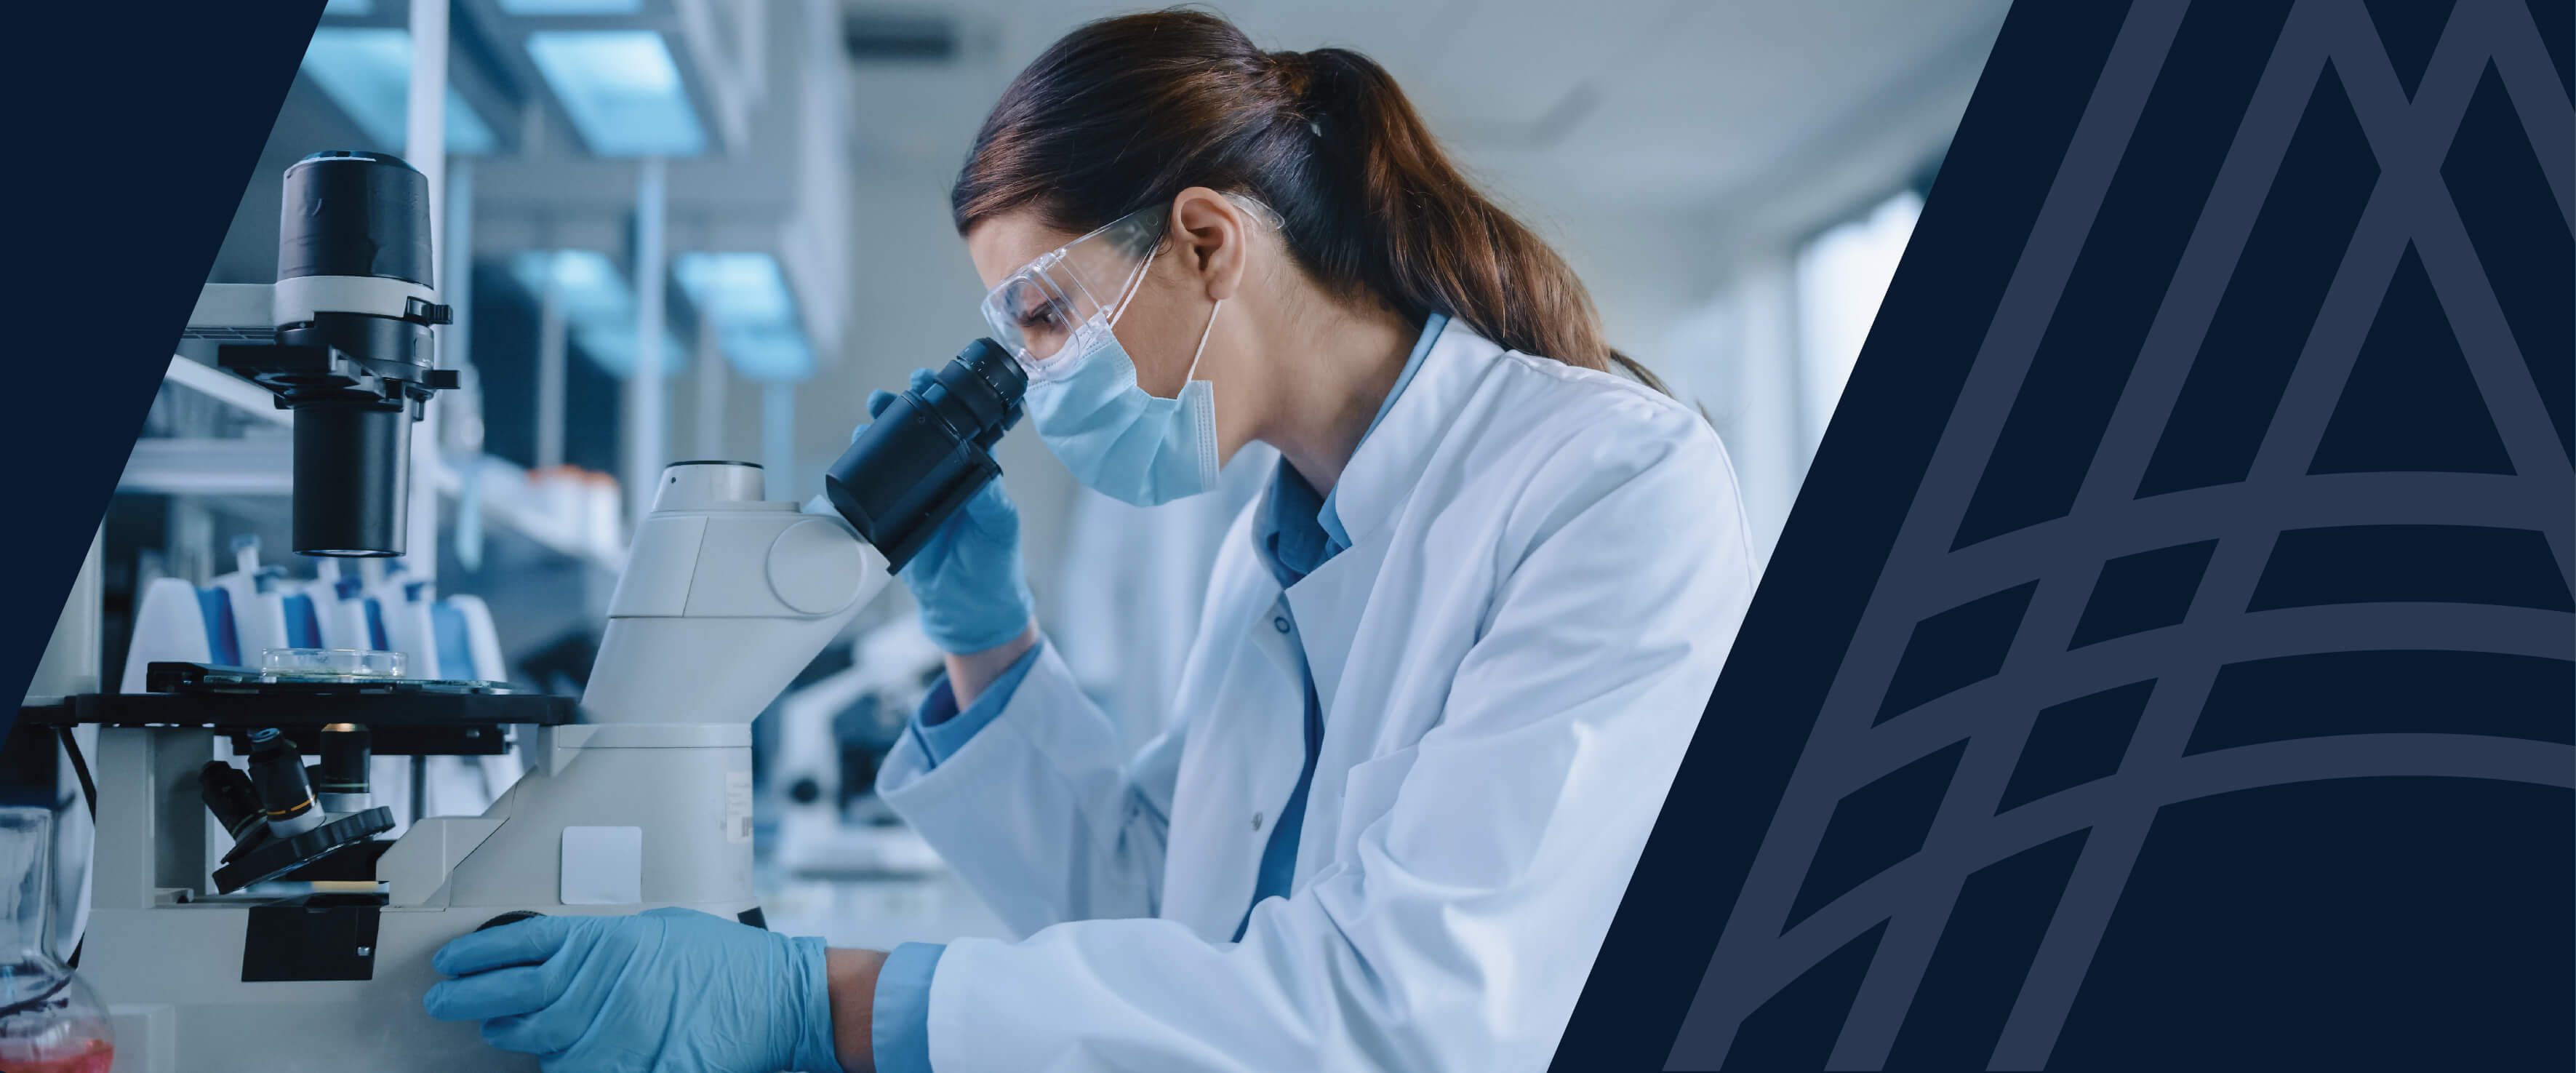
1448,665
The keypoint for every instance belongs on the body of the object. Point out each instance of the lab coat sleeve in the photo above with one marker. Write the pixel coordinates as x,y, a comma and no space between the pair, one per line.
941,729
1480,866
899,1015
1039,812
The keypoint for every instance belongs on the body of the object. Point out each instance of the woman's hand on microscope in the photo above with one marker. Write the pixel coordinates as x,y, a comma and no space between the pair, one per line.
665,990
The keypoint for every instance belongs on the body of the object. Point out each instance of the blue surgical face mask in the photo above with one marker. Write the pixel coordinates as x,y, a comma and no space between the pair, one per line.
1118,440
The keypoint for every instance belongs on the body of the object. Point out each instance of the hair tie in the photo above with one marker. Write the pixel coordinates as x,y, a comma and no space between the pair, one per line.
1298,80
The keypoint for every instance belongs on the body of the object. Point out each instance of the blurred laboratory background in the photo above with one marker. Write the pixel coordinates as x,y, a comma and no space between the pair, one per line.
707,229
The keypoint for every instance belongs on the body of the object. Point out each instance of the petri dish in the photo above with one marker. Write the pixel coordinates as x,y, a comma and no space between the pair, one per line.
332,663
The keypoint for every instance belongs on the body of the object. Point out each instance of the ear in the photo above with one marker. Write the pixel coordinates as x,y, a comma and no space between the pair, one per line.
1210,234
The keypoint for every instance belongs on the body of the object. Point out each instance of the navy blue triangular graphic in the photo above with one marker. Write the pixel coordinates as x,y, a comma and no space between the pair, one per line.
2556,21
136,130
2271,302
2109,301
2499,184
2409,28
2411,404
2252,235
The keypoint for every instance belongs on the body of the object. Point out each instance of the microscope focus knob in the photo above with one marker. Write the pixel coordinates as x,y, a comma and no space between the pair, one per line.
817,567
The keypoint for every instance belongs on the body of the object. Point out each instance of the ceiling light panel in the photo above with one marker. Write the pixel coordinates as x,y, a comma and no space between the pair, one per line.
366,71
621,89
571,7
753,309
597,305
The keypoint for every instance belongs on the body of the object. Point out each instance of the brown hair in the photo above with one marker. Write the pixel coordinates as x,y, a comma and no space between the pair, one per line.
1127,112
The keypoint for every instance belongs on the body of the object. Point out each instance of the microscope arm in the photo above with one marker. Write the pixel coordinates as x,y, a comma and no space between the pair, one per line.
719,610
723,601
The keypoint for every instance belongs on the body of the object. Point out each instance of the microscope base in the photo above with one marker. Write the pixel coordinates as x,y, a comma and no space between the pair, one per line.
172,976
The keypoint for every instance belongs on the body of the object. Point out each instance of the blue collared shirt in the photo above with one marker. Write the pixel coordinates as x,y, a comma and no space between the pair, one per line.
1296,533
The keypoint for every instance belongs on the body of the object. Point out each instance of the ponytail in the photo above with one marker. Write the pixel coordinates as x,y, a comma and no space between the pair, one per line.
1427,239
1128,111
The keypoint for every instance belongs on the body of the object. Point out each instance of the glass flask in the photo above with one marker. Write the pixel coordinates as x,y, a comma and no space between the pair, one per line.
50,1021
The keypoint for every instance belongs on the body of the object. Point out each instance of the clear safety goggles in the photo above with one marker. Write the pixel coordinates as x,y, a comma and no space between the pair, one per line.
1057,304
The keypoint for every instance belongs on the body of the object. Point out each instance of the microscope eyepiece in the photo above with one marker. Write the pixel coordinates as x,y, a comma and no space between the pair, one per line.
913,466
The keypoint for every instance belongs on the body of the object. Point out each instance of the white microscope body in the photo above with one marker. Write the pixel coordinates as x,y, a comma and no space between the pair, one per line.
646,803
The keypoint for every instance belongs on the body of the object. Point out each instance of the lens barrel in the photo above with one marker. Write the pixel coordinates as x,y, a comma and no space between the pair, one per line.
228,794
340,782
277,772
931,449
352,477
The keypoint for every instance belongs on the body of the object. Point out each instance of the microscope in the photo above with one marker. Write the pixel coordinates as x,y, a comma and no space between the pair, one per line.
639,798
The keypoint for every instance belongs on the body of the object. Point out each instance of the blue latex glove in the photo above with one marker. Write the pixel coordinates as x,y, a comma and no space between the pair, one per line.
967,577
660,992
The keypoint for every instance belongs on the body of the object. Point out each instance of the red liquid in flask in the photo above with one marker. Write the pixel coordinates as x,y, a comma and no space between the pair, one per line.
89,1056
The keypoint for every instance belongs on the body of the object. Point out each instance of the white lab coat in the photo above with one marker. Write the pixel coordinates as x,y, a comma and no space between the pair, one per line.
1124,611
1547,567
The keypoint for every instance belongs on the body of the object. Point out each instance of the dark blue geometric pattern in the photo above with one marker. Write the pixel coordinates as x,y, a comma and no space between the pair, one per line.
2076,742
2146,591
2344,394
1874,827
1953,649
